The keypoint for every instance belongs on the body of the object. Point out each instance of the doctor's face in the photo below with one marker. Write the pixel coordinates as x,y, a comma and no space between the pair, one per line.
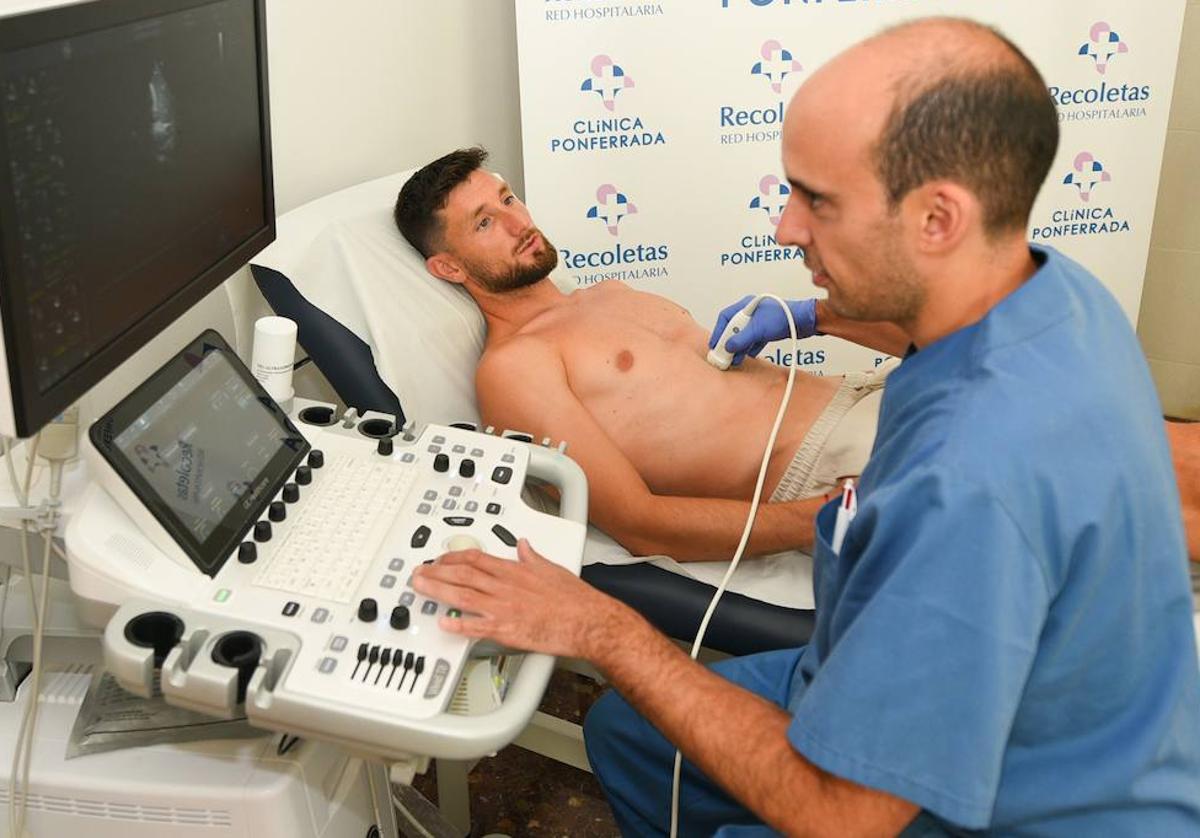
490,233
838,212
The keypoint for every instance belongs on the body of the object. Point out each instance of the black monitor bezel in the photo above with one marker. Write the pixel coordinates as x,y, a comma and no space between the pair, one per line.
210,555
31,409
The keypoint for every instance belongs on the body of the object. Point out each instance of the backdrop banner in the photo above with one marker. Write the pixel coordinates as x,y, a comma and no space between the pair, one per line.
652,136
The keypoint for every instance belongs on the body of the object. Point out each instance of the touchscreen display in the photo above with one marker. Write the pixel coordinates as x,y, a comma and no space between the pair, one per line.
184,448
202,447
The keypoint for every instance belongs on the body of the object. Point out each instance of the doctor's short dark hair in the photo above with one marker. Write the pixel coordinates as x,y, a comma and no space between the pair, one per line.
424,195
993,129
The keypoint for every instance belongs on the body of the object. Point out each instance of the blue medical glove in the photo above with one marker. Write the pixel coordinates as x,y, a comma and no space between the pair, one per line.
768,324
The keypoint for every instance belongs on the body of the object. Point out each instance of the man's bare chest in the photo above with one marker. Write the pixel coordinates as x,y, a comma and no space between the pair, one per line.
615,351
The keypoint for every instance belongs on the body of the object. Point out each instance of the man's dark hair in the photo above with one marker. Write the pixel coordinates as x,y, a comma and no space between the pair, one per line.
992,128
424,196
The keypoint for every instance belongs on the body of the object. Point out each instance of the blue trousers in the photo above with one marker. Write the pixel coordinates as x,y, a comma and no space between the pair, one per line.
632,760
633,763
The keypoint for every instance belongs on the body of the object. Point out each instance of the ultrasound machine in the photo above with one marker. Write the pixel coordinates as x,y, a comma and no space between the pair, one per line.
239,559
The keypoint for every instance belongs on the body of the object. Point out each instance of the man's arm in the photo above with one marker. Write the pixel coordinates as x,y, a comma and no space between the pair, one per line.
523,385
534,604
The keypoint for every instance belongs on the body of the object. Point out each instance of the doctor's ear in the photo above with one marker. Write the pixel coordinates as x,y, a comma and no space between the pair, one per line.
446,267
945,212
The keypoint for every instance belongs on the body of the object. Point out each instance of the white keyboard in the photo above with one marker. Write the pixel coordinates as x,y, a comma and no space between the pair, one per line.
339,530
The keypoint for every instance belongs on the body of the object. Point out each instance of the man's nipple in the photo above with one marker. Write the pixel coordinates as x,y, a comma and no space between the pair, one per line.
624,360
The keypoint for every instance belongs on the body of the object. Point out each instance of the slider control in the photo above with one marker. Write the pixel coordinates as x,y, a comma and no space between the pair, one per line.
384,660
362,656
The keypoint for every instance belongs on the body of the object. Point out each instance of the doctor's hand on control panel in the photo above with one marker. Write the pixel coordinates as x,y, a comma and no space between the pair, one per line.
733,734
530,604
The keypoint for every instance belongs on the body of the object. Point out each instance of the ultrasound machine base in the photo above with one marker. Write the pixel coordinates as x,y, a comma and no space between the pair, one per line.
220,787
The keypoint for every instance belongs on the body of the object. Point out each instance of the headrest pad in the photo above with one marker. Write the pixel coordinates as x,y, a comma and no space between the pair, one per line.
345,255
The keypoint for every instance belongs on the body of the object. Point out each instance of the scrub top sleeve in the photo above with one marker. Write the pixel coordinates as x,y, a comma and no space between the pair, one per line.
930,641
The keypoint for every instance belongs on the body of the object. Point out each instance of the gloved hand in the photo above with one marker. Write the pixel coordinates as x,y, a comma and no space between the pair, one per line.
767,324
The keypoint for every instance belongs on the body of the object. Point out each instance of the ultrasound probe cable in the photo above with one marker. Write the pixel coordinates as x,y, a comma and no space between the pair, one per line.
737,322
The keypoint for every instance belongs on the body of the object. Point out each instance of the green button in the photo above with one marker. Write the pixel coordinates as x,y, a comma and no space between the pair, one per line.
453,612
223,595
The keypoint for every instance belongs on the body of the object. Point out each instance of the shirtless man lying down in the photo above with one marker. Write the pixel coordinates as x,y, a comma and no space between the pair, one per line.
670,445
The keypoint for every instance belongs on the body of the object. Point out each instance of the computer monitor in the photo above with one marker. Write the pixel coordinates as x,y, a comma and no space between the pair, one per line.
135,177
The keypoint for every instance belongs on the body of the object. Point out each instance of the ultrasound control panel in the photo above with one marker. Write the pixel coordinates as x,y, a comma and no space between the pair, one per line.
309,623
312,624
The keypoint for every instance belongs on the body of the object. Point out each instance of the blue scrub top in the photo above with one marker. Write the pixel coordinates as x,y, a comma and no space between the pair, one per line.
1006,638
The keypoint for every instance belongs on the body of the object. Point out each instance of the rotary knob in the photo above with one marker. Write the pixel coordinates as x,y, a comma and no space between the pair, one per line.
400,617
277,511
368,610
262,531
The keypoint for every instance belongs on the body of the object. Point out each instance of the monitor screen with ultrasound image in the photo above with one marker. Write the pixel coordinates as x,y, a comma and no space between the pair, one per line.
135,177
203,447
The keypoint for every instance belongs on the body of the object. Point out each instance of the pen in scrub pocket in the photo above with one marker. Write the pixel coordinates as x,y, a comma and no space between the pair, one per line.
845,514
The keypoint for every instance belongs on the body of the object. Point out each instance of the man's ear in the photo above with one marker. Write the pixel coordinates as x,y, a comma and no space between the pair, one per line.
444,266
944,213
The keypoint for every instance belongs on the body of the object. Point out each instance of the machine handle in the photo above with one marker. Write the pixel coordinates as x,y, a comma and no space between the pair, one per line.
490,731
565,474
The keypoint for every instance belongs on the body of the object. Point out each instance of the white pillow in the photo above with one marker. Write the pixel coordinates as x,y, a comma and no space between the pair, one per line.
345,255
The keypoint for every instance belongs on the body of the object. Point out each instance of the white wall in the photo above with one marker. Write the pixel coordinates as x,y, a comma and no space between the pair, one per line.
363,88
1169,325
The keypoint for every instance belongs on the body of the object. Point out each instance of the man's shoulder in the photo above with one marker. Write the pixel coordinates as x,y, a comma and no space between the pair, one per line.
516,355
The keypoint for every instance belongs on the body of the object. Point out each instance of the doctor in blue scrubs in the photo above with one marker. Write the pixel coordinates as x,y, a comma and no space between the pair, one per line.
1004,639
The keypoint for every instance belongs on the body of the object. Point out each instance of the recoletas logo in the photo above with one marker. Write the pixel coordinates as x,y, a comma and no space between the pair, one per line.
610,207
607,80
1110,98
758,122
1086,176
1102,45
772,197
151,457
614,124
775,65
618,260
753,246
